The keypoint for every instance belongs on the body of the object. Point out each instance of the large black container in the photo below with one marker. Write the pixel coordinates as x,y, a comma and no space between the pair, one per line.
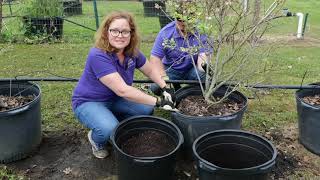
145,168
20,128
309,121
164,19
72,7
194,126
44,26
233,154
149,7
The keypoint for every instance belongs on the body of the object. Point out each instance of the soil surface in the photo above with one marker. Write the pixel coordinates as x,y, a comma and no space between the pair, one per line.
67,155
148,144
11,102
197,106
313,100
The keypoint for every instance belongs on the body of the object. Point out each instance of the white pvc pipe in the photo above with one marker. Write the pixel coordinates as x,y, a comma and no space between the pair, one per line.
300,25
245,5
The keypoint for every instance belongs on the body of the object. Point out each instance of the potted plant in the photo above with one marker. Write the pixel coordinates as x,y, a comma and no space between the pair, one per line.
43,17
232,52
20,120
308,106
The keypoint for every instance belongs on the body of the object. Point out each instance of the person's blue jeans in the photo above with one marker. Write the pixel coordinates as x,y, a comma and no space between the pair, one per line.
103,117
179,75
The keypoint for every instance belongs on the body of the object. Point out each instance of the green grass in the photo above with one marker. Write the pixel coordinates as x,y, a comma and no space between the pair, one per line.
276,108
77,34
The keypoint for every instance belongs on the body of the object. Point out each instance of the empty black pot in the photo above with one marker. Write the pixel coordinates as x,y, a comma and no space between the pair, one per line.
145,168
233,155
20,128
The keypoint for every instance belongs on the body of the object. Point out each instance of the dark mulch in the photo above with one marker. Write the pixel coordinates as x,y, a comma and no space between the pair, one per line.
313,100
11,102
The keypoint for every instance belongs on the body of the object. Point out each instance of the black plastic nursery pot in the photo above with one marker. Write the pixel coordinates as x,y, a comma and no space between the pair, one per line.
233,154
164,19
44,26
145,168
308,120
72,7
20,128
194,126
149,7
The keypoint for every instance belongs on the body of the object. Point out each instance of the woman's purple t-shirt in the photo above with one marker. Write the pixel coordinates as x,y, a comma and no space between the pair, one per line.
100,63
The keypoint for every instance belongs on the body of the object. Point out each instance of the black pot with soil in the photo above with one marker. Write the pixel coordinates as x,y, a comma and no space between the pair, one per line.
146,148
193,126
149,7
51,26
72,7
233,154
308,107
20,120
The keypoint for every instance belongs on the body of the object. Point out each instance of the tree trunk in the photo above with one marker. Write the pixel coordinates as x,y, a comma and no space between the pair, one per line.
256,14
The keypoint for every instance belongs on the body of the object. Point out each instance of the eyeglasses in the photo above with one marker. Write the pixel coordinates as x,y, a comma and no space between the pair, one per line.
116,33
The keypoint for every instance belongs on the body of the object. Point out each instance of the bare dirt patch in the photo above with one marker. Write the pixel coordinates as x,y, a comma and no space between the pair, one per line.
67,155
293,160
291,40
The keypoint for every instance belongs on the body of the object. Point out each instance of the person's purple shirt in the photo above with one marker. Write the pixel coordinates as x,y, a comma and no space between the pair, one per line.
174,57
99,64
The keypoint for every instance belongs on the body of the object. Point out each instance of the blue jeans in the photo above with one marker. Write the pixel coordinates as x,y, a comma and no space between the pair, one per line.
103,117
179,75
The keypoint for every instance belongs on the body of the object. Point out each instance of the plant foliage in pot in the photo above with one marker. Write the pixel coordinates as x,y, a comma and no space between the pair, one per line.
43,17
232,59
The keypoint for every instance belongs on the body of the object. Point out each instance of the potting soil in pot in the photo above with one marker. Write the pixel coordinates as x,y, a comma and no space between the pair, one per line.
197,106
148,144
313,100
11,102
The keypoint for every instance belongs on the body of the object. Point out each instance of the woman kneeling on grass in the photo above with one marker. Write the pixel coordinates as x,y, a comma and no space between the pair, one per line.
104,94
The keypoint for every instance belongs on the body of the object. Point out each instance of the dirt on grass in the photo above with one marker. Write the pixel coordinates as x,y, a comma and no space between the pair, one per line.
67,155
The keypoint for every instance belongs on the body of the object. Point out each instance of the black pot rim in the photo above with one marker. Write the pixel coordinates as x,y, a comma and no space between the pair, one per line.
240,111
300,98
27,104
181,140
272,160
